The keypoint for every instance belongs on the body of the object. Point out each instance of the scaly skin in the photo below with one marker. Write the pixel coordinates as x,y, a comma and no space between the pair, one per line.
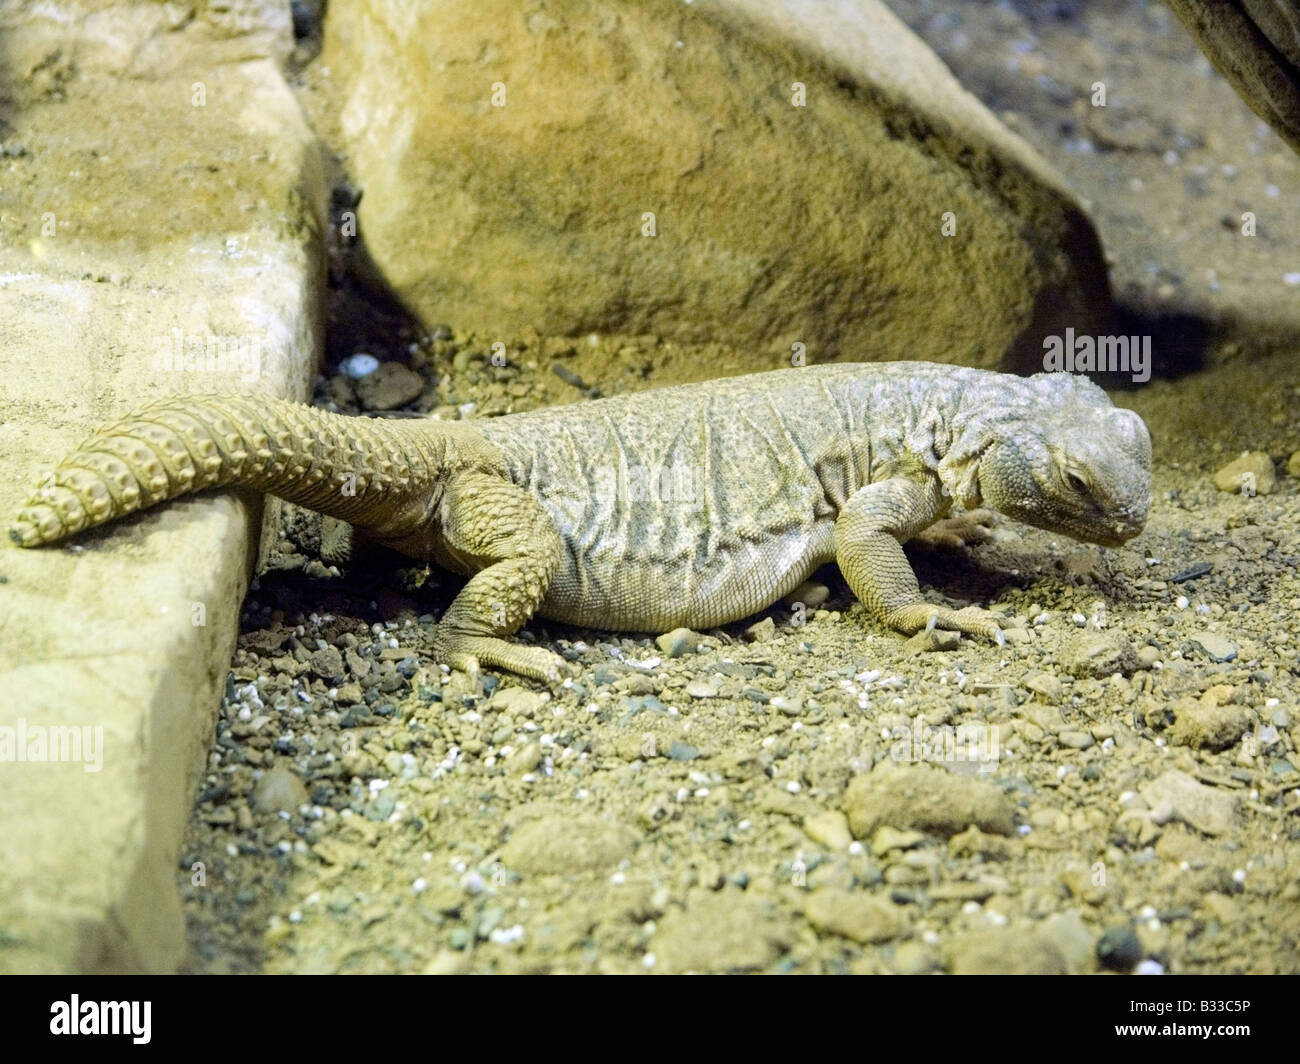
688,506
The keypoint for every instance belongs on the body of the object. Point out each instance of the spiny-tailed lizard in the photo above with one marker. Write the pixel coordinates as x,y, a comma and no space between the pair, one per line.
687,506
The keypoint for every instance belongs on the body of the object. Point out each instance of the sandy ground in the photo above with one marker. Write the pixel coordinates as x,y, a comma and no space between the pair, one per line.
1115,788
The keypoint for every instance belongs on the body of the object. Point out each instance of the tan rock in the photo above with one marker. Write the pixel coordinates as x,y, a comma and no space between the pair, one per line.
768,174
559,845
856,915
170,203
726,931
924,798
1250,474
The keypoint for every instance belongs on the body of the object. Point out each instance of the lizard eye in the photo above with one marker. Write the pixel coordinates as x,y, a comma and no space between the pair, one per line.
1077,483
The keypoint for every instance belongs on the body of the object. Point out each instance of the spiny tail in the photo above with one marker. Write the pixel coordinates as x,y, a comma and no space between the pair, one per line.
377,475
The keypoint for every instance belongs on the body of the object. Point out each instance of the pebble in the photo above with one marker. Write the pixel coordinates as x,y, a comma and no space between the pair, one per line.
811,593
563,845
1005,951
914,958
927,799
517,702
1075,740
1222,908
830,828
1118,949
935,640
1177,796
1238,474
279,790
1216,647
762,631
1099,654
1206,724
1071,937
855,915
359,365
724,931
525,759
702,689
887,838
1045,684
390,386
679,642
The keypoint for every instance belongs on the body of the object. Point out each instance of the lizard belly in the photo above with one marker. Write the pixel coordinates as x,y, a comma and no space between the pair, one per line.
639,588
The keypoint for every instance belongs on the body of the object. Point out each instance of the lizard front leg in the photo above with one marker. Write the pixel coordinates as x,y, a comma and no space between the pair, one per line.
490,525
869,535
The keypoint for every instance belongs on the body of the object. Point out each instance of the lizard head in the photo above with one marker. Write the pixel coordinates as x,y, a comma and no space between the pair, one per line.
1072,463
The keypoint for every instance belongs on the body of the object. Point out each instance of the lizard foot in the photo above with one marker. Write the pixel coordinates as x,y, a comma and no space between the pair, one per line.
960,530
922,616
468,652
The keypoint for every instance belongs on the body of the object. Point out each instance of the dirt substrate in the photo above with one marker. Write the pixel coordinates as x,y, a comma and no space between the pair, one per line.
1115,789
1127,761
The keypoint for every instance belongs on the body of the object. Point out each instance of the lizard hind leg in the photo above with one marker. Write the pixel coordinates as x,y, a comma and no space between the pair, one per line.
493,526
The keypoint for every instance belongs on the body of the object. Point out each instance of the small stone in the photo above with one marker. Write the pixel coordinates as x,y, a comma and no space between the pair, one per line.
1216,647
762,631
680,751
516,702
812,594
1071,936
1251,474
678,642
1075,740
1118,949
724,931
914,958
390,386
934,640
359,365
855,915
925,798
328,664
1047,686
565,845
887,838
1293,464
447,962
1177,796
1208,724
791,707
1147,656
1005,951
702,689
524,760
830,828
1222,908
279,790
1099,654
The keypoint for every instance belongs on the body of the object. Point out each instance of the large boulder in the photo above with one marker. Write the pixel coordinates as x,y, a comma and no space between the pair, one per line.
758,172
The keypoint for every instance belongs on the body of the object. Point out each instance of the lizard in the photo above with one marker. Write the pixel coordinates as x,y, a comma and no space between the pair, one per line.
688,506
